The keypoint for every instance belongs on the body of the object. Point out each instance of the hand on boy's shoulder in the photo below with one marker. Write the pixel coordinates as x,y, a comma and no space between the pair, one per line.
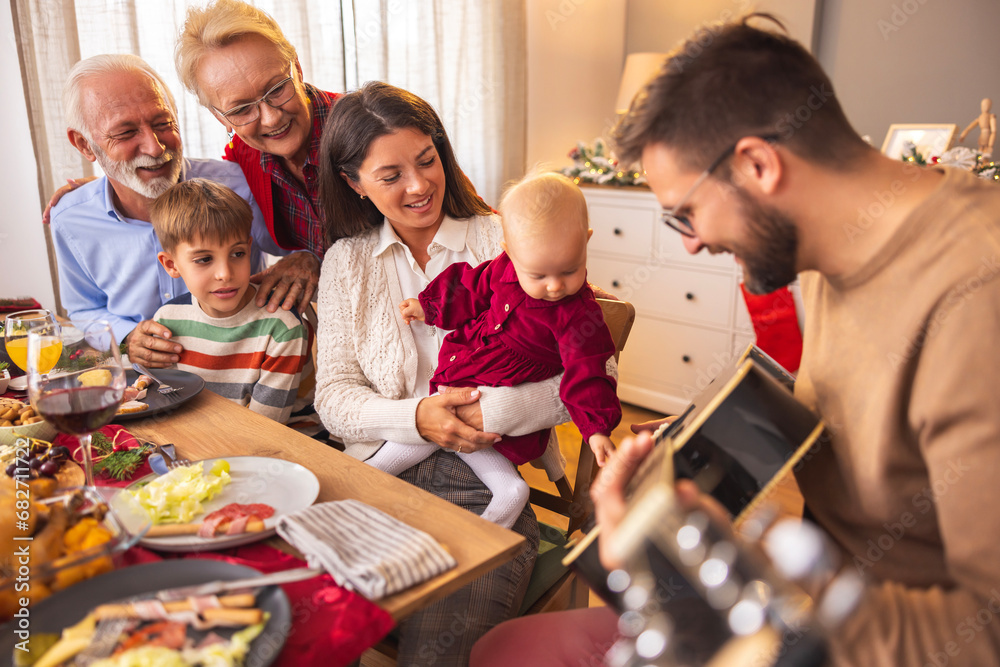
290,282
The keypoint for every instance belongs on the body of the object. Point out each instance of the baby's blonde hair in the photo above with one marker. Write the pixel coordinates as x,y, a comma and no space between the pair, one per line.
542,198
199,208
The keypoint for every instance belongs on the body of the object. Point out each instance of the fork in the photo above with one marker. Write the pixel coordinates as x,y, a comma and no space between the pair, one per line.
163,388
171,453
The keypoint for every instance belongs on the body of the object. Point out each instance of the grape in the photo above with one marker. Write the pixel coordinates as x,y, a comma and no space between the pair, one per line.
36,463
219,467
59,453
49,469
11,469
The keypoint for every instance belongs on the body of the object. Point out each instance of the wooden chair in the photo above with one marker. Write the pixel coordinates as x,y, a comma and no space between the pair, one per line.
552,586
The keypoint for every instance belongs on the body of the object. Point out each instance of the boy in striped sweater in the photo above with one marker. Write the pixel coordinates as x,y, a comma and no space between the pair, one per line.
244,353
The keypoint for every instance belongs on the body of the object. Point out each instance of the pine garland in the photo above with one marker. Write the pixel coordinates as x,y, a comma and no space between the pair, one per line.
595,164
961,157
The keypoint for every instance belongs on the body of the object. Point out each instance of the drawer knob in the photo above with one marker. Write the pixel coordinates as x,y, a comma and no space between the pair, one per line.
615,283
689,296
618,231
686,359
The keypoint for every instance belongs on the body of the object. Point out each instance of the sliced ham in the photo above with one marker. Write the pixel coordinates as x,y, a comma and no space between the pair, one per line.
234,517
211,524
237,525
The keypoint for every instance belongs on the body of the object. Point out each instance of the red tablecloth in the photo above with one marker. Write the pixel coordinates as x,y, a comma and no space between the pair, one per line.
330,625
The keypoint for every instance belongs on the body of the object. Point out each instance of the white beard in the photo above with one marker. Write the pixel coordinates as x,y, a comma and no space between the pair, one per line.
125,172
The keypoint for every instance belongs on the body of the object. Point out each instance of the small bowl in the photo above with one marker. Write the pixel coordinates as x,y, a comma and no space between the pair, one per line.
4,380
42,430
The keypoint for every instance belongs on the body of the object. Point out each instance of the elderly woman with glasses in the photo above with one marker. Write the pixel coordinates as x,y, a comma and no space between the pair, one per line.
236,59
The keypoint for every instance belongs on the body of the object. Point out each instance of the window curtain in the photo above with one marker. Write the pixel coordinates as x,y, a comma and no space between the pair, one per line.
466,58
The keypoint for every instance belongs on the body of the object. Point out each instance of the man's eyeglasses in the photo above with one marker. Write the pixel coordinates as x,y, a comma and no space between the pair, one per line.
278,95
680,223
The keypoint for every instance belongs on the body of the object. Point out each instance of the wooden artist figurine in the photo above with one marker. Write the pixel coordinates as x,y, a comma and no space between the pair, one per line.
987,123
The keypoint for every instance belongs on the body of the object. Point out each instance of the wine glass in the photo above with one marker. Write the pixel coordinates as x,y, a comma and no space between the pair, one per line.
81,393
15,335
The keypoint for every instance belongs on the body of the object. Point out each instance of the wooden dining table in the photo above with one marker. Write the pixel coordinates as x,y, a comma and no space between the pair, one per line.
210,426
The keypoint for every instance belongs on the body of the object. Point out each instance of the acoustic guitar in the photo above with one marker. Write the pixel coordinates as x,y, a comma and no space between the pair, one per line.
699,592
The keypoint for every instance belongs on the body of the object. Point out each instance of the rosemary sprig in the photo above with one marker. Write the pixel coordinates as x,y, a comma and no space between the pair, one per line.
121,464
100,443
118,464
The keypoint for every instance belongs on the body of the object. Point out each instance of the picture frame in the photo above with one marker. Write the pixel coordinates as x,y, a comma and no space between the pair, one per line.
929,138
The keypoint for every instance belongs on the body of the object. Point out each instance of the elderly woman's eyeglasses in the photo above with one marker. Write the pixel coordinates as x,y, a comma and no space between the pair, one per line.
278,95
679,222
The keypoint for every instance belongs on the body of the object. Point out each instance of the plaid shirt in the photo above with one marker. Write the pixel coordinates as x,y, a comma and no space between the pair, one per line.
297,211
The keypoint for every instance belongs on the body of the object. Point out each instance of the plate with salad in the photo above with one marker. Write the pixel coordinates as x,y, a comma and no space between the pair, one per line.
63,624
223,502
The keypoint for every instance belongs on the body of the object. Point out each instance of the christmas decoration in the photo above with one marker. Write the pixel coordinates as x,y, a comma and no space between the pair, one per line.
595,164
960,157
983,166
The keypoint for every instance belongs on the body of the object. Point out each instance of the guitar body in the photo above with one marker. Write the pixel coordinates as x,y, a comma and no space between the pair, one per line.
694,584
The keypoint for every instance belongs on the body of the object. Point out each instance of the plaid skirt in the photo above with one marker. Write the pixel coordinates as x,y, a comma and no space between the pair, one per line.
443,633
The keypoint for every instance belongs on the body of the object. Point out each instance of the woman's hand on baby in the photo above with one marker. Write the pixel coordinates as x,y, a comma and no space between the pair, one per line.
602,447
411,310
438,422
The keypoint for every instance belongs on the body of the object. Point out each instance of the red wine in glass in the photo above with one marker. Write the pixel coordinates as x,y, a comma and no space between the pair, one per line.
78,410
82,392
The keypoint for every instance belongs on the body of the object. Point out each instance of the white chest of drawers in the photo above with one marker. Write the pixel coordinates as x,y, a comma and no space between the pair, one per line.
690,315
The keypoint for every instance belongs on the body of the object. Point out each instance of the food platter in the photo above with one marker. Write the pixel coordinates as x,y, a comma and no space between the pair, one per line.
71,605
287,487
188,386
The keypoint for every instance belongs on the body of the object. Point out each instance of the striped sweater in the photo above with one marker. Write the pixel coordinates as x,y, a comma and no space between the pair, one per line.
253,357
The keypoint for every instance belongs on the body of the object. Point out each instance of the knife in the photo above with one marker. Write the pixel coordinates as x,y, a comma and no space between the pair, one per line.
160,461
250,583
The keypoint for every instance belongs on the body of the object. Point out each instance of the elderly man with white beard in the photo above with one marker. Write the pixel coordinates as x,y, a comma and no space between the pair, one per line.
121,115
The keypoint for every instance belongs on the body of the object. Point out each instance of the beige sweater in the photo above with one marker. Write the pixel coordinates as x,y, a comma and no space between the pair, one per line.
903,360
367,358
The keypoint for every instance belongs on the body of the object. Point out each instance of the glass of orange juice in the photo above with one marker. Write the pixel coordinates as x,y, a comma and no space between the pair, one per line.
15,335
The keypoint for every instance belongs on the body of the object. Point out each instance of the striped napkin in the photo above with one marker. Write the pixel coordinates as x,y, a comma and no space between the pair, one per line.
364,549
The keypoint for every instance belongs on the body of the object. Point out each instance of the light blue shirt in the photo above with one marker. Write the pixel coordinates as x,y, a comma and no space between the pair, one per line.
107,263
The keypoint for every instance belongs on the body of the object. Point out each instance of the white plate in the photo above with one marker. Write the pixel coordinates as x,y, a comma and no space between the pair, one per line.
287,487
20,383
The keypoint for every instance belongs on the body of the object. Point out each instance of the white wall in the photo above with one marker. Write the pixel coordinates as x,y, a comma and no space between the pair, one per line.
911,61
24,264
576,51
658,25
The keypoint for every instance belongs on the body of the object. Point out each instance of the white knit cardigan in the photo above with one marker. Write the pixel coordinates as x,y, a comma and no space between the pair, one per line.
367,358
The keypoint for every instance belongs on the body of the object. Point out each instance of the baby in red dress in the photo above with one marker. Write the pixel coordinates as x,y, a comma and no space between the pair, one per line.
525,316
